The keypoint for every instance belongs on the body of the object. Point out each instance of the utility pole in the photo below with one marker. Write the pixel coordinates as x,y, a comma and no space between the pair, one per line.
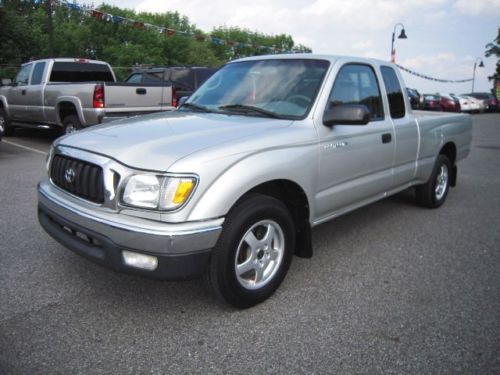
50,29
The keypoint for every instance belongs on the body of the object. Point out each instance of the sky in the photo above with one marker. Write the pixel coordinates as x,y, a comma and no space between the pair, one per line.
445,37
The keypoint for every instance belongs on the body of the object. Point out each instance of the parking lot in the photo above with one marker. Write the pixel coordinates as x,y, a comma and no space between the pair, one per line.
391,288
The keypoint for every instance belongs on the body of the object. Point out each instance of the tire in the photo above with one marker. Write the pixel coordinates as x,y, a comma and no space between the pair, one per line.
254,251
71,124
433,193
8,130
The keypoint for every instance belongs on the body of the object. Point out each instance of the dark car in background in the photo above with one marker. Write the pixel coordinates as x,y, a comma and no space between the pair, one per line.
184,79
415,98
489,100
431,102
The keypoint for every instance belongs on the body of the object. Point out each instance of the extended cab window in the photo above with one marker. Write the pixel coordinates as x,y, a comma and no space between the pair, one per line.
36,79
23,76
394,92
357,84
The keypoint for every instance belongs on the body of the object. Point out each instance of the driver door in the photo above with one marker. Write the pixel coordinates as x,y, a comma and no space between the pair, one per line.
355,160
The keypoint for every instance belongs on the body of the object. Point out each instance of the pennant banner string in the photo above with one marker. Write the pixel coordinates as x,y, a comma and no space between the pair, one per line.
431,78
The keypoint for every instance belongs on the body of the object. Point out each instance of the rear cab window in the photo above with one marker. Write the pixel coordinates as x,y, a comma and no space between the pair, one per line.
80,72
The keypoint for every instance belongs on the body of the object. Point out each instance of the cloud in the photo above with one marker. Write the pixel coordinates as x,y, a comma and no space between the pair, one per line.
477,8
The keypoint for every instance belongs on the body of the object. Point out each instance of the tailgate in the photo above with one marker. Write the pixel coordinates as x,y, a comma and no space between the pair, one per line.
131,97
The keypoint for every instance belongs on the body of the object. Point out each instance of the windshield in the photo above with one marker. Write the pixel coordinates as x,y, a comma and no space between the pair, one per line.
280,88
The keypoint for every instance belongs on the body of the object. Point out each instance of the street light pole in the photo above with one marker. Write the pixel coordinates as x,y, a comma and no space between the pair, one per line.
402,35
481,65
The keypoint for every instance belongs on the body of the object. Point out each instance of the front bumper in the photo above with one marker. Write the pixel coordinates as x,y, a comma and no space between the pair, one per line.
182,252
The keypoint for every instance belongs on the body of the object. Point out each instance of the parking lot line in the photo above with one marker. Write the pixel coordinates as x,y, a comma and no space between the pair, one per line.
25,147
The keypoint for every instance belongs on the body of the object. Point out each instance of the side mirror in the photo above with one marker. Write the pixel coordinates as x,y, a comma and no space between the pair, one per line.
6,81
346,114
182,100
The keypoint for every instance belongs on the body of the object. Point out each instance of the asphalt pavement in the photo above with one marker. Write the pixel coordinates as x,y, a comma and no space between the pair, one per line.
391,288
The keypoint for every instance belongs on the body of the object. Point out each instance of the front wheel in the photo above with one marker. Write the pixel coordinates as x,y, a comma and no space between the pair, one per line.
254,251
433,193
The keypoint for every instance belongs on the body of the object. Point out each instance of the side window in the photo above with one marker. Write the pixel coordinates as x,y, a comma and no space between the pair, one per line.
394,92
36,79
23,76
153,77
135,78
357,84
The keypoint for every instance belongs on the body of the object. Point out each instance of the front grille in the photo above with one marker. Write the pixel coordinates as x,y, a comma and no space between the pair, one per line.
78,177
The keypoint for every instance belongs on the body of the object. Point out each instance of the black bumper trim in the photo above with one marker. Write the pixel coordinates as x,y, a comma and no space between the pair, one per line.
103,251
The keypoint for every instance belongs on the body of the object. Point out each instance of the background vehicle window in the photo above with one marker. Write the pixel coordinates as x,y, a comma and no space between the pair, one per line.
36,79
182,78
80,72
135,78
357,84
394,92
23,76
153,77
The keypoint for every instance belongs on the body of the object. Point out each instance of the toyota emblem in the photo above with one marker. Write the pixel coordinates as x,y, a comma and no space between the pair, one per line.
69,175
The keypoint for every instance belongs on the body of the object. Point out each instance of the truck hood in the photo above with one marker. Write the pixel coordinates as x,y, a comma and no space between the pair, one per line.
154,142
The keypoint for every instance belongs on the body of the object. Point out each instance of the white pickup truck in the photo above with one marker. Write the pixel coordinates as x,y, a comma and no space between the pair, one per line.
232,183
70,94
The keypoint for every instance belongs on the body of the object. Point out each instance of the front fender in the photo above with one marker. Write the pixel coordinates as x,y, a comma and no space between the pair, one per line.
297,164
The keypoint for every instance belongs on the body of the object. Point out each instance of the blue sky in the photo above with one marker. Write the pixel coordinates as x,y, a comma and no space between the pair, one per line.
444,36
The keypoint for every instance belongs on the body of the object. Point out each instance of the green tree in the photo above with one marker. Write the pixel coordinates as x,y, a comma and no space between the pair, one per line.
493,49
110,34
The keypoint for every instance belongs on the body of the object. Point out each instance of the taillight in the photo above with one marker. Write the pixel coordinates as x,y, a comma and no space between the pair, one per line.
174,97
98,100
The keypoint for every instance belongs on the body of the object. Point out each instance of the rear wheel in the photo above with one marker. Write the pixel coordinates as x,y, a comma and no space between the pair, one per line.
5,124
71,124
433,193
254,251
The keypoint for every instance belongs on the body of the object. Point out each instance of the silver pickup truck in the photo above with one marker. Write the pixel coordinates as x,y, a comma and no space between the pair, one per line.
70,94
231,184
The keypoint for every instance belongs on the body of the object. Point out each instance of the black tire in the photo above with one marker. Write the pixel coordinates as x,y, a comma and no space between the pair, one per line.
256,217
433,193
71,124
8,130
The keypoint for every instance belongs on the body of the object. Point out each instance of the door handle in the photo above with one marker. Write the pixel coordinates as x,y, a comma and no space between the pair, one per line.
23,92
386,138
140,91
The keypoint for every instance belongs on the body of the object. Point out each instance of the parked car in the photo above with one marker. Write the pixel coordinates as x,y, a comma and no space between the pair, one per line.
183,79
415,98
449,103
231,184
466,105
431,102
489,100
476,104
70,94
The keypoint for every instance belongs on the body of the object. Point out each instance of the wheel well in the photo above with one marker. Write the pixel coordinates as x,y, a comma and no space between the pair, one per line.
66,109
294,198
450,151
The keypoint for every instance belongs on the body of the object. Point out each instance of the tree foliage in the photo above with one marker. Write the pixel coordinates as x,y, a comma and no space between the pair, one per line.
493,49
24,36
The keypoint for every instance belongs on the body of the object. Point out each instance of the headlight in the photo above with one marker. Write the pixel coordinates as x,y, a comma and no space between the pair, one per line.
157,192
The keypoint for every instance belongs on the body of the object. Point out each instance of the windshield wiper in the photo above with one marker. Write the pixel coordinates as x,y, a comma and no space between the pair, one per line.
196,107
242,108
